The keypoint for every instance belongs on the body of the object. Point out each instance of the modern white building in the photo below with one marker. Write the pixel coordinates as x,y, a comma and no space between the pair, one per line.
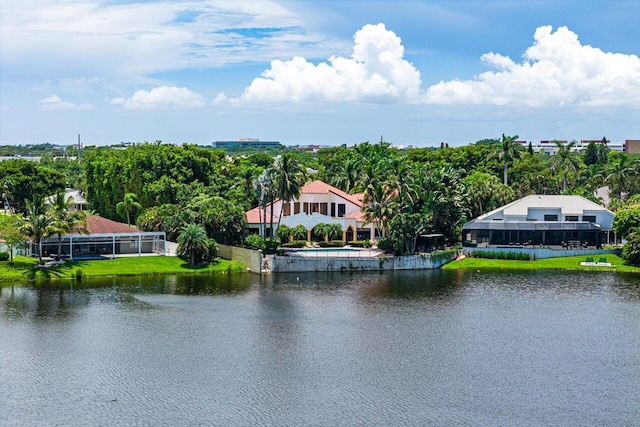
318,203
542,220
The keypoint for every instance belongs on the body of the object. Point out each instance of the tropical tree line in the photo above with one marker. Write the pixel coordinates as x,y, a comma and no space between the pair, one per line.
406,192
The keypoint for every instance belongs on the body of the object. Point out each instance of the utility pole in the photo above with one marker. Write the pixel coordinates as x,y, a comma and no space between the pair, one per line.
79,149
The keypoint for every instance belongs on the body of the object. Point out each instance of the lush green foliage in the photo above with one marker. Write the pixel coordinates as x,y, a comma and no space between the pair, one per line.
23,180
255,242
521,256
4,256
631,250
193,244
627,220
295,244
331,244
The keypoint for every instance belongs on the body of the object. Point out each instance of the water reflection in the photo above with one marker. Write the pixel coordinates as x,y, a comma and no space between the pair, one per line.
42,304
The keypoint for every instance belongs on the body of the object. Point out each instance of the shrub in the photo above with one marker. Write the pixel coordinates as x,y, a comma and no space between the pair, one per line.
437,257
295,244
631,250
385,244
270,246
284,233
331,244
360,244
255,242
516,256
79,274
4,256
212,246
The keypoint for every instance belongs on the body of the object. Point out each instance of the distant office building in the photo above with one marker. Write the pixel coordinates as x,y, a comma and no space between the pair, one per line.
632,146
550,147
247,143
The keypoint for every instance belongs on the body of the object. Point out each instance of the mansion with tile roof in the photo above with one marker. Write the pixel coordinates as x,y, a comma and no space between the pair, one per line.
318,203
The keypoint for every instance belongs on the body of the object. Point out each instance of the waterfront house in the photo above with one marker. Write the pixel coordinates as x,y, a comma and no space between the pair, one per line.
542,221
106,239
318,203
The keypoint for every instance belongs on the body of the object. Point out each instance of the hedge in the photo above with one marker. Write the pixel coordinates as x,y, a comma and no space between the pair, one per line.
521,256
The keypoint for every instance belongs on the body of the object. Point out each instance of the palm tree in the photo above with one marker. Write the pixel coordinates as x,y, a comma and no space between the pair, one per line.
565,160
619,176
36,222
346,175
288,178
322,229
62,220
508,152
299,232
192,242
334,231
128,205
377,207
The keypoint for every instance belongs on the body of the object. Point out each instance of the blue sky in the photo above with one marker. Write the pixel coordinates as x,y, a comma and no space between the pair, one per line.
318,72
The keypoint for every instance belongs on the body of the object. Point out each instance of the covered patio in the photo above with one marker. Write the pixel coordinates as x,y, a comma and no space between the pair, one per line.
579,234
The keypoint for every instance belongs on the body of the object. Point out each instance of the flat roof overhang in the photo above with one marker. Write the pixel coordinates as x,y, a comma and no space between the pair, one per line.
532,226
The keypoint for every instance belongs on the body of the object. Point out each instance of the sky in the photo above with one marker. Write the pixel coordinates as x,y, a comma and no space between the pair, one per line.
318,72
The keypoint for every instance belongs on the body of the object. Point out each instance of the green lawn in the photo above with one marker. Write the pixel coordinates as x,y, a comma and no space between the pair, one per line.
562,263
25,268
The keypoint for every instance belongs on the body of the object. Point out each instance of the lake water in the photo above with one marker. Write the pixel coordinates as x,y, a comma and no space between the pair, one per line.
410,348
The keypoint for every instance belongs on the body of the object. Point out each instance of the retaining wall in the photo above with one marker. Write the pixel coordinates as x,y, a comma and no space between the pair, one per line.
290,264
250,258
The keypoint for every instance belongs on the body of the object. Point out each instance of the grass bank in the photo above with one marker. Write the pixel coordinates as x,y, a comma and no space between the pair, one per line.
25,268
562,263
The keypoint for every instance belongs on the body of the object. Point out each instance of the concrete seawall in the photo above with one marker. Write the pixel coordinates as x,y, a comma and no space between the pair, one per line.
250,258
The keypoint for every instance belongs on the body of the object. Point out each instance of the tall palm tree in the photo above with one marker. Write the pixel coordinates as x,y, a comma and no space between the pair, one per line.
508,152
346,175
36,223
192,242
129,205
377,207
63,220
565,161
619,175
288,178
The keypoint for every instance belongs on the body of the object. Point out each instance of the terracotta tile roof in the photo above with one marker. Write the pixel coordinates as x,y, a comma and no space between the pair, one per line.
358,216
314,187
99,225
253,216
319,187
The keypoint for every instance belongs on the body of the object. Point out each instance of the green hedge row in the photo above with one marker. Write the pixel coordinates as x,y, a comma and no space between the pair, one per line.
295,244
520,256
360,244
331,244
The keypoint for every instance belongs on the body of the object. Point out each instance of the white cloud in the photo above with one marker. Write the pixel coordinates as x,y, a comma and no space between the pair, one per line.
375,72
137,38
220,98
557,70
54,102
163,97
